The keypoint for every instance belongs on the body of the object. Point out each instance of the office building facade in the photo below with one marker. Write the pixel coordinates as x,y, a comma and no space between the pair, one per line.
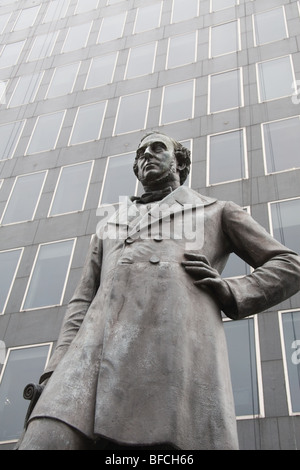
81,81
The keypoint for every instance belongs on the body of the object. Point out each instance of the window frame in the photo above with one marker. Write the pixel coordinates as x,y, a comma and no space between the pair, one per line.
196,33
49,215
260,391
34,129
211,10
125,13
52,79
12,191
187,19
241,81
70,144
21,249
55,36
246,165
136,18
293,84
116,53
39,81
2,372
284,360
154,43
22,125
19,15
264,146
193,80
4,46
70,51
256,44
238,37
118,111
23,309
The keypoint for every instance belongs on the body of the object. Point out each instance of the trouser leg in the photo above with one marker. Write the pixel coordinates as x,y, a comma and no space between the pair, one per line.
49,434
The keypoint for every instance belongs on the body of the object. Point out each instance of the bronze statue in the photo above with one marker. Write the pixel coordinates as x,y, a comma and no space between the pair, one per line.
141,360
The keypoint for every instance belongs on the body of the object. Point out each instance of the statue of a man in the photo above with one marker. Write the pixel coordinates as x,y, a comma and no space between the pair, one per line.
142,360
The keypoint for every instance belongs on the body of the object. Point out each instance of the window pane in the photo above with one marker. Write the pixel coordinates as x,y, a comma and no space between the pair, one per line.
71,189
184,10
281,144
3,21
112,27
291,333
24,366
275,78
57,9
26,18
10,54
227,157
120,179
286,223
182,50
224,38
148,18
24,197
63,80
86,5
132,113
235,267
45,134
26,89
270,26
229,81
77,37
221,4
9,137
141,60
178,102
46,286
87,126
42,46
242,360
9,261
101,70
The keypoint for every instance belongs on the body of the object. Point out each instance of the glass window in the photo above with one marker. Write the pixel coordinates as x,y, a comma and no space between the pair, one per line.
9,263
22,202
112,27
71,190
148,18
45,133
56,9
88,123
112,2
229,81
182,50
3,21
184,10
120,179
49,275
276,78
26,18
224,39
222,4
178,102
63,80
77,37
227,157
285,219
240,336
132,113
101,70
290,325
10,54
270,26
86,5
23,366
42,46
26,89
140,60
9,138
281,140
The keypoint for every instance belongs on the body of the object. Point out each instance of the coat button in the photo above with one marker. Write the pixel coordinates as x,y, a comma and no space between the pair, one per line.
158,238
154,260
129,241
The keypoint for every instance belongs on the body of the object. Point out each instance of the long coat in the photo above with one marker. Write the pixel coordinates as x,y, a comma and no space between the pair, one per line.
142,356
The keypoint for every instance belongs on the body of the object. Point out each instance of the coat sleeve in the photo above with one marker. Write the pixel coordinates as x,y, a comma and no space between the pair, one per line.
276,274
79,304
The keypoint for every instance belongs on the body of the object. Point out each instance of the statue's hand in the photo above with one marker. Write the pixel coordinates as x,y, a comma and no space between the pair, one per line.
204,274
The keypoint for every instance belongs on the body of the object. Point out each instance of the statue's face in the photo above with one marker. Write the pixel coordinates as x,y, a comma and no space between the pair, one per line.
156,159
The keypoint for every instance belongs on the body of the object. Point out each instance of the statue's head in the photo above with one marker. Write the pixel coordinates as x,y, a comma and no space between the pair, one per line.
159,156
